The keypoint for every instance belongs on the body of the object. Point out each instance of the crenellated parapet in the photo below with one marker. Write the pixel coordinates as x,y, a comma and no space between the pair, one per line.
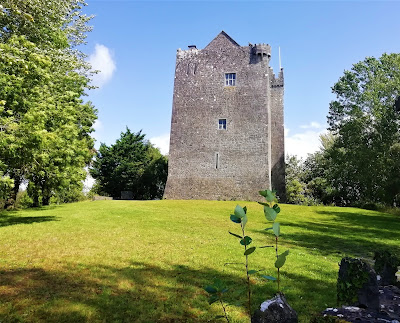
278,81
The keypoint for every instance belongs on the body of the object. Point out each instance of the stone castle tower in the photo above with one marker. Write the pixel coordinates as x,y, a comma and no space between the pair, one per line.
227,134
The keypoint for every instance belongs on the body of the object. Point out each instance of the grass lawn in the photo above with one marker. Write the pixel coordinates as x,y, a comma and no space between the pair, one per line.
148,261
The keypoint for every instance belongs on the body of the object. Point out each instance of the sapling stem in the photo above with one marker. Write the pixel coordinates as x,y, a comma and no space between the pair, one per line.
223,306
276,250
248,277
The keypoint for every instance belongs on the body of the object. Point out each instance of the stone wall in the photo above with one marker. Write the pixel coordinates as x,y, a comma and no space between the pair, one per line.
206,162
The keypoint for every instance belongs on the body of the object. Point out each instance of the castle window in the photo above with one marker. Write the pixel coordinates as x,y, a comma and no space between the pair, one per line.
216,160
230,79
222,124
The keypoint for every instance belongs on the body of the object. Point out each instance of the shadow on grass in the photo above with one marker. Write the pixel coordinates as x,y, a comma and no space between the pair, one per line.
136,293
347,233
6,220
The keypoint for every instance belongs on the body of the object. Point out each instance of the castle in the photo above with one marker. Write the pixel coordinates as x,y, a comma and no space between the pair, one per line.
227,133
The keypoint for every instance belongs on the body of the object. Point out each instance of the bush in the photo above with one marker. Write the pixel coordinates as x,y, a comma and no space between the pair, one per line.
23,200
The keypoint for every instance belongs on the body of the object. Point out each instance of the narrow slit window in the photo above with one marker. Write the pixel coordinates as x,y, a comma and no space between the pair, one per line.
230,79
222,124
216,160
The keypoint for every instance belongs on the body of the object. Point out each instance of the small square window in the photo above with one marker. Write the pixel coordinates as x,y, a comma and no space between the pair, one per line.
230,79
222,124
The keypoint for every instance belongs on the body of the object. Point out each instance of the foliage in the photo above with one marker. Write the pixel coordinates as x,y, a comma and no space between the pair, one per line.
131,164
271,211
365,123
45,125
296,189
386,264
308,182
119,255
385,258
216,292
23,200
6,185
356,277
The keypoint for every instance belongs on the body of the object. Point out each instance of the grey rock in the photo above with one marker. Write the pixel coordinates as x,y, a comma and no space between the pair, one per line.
275,310
353,272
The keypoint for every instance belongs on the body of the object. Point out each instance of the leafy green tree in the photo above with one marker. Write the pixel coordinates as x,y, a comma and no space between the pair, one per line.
295,186
317,172
131,164
45,125
364,157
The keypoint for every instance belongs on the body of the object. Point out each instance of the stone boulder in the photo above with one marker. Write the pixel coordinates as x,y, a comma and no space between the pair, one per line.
386,266
357,284
275,310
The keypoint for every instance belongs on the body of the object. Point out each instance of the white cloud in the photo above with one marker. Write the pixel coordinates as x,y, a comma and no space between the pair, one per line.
303,143
162,143
98,125
102,61
312,125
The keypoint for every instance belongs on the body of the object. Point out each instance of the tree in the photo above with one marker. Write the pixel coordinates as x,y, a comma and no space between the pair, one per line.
131,164
363,118
45,125
295,186
317,175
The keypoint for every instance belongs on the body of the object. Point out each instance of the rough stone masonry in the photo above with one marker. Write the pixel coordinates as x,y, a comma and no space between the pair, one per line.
227,134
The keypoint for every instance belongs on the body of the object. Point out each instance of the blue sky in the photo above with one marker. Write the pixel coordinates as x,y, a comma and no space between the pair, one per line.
134,44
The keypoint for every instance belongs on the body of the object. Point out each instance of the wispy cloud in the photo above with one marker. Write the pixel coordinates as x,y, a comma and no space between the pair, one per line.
303,143
161,142
312,125
102,60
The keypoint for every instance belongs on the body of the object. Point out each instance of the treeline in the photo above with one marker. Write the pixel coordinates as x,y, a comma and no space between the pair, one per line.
45,125
359,160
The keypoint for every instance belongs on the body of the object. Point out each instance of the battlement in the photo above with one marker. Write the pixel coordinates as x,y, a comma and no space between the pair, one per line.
278,81
262,50
191,51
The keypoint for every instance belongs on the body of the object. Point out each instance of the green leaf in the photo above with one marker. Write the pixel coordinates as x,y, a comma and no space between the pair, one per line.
218,284
213,299
224,290
235,219
239,212
276,228
251,272
249,251
219,317
210,289
268,277
270,213
270,197
263,193
280,261
268,229
246,241
235,235
276,208
244,221
263,203
245,209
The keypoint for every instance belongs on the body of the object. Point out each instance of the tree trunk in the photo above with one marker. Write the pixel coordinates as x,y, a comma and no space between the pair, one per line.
45,194
10,202
45,199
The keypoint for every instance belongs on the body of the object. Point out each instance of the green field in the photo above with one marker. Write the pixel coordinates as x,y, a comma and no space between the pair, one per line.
148,261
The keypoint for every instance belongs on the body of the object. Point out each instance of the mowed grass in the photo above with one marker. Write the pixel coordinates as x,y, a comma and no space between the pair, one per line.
148,261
